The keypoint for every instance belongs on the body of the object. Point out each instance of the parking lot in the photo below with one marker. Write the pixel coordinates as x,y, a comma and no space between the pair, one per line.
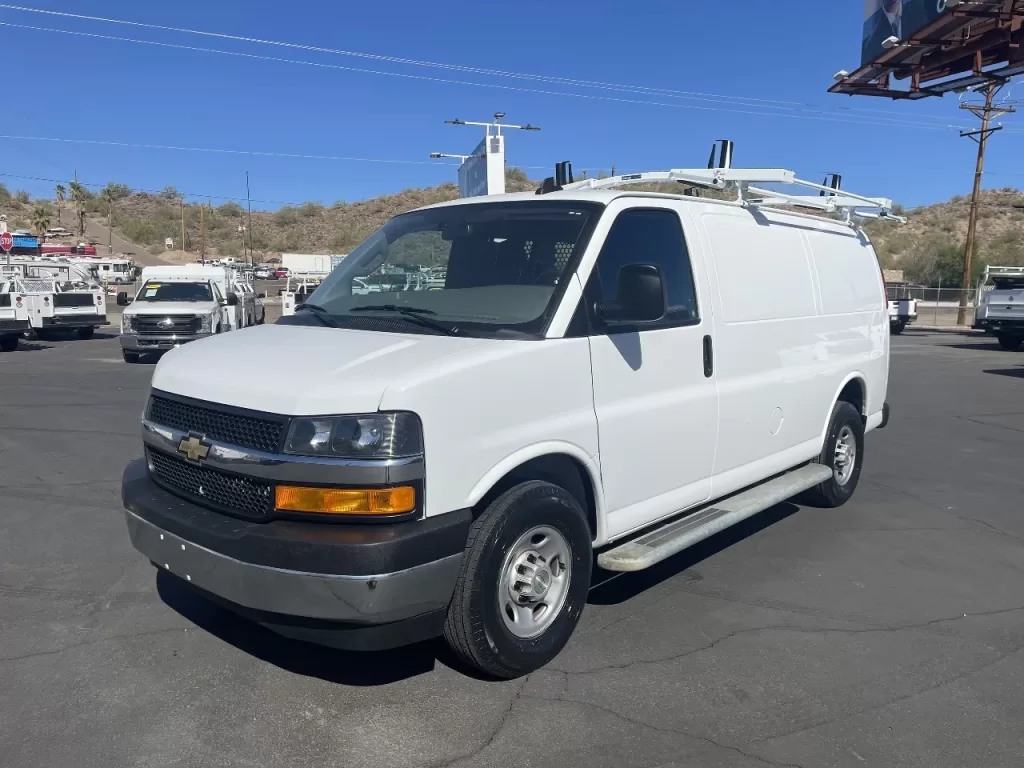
885,633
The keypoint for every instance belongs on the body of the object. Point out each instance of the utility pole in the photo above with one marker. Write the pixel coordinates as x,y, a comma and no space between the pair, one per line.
986,113
248,199
182,222
202,235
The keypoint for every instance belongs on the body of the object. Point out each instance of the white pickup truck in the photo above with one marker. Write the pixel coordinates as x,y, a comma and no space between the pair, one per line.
902,308
1000,308
176,305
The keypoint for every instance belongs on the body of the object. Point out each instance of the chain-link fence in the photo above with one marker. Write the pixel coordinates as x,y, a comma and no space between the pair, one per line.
936,306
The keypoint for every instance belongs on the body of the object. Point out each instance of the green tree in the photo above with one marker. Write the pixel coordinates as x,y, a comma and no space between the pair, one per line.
61,195
109,195
79,196
41,220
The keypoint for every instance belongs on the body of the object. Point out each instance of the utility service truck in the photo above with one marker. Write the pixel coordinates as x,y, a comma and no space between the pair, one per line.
176,305
1000,309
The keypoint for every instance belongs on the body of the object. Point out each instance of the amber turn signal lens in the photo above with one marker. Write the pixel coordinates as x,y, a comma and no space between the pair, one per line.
346,501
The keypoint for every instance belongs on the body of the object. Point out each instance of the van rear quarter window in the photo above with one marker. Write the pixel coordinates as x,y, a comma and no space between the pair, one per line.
847,272
762,267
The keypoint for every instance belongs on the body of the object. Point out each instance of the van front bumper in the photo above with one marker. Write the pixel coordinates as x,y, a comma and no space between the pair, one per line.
132,342
366,586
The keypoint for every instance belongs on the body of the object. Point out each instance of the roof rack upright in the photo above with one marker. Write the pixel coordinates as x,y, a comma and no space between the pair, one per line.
743,181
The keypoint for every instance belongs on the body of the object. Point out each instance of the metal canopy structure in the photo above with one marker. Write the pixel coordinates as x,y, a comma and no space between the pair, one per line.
972,43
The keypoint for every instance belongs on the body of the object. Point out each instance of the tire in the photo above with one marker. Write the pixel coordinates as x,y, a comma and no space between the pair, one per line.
898,328
476,627
130,357
8,343
85,332
45,334
1008,342
846,423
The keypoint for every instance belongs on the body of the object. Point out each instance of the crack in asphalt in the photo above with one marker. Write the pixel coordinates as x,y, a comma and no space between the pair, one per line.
97,641
673,731
785,628
906,697
495,732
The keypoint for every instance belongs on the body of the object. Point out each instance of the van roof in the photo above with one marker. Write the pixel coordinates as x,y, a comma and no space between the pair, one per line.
605,197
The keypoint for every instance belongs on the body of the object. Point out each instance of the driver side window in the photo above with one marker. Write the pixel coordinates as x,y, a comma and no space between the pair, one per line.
648,236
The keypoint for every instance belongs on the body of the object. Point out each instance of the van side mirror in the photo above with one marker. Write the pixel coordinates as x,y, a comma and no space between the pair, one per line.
123,300
232,299
640,297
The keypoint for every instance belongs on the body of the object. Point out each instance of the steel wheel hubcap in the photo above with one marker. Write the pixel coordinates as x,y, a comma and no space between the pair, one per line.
845,457
534,581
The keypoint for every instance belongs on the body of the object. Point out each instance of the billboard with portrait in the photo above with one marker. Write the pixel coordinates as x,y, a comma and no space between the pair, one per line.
894,18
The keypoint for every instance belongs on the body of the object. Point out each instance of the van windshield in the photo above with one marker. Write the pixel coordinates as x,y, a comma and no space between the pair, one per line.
154,290
480,269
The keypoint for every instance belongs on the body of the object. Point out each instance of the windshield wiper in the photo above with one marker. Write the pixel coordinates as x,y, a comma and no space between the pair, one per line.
416,314
319,312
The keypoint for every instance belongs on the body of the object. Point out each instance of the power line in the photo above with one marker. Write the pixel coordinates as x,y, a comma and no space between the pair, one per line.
822,116
576,82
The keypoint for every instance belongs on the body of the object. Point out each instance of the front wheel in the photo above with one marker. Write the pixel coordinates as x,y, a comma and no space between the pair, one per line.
523,583
1008,342
130,357
843,453
8,343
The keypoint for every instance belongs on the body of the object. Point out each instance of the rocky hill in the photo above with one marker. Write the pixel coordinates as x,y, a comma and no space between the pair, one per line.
929,248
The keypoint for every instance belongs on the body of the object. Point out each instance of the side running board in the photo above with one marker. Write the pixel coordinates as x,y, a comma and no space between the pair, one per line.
674,537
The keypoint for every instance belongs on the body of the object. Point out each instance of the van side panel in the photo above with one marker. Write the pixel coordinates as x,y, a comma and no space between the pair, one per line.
855,317
768,353
802,313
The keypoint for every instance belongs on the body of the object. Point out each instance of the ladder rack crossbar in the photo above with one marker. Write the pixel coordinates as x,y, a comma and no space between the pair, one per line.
742,181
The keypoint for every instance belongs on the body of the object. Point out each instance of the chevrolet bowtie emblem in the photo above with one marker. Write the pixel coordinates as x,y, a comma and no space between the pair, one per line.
193,448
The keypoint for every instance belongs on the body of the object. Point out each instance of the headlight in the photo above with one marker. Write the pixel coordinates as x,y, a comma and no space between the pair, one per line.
366,436
206,324
127,323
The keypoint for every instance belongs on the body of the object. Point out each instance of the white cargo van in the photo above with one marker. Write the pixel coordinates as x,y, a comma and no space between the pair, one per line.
603,370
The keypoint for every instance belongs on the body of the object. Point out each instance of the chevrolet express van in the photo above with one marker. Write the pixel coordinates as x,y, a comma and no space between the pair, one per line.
603,371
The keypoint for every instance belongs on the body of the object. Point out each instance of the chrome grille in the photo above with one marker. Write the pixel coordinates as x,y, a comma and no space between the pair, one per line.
167,325
265,435
234,494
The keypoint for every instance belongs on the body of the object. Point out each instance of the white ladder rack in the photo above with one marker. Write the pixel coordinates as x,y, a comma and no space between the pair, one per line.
743,181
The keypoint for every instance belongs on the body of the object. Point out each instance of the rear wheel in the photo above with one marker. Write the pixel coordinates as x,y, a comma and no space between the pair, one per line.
524,581
898,328
843,453
8,343
1008,342
130,357
85,332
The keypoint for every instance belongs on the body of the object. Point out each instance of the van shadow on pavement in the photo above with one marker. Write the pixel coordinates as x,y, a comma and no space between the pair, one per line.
361,668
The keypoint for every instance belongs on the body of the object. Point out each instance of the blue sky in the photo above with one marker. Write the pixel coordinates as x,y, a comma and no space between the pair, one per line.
764,68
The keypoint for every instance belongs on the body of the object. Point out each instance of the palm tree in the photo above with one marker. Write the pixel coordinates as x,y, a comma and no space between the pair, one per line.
62,195
41,220
78,195
108,197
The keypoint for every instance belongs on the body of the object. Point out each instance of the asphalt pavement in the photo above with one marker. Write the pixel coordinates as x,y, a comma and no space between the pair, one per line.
886,633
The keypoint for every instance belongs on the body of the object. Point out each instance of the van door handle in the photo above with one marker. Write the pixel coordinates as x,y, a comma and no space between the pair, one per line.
709,357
